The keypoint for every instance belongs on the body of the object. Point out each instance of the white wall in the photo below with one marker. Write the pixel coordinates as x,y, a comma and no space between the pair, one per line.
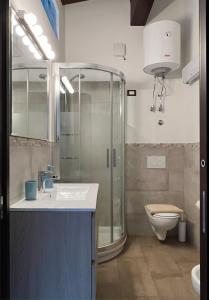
35,6
181,117
92,27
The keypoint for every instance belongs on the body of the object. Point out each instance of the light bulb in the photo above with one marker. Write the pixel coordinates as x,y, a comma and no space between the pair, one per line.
26,41
32,48
37,55
14,21
51,55
43,40
19,31
47,48
37,30
30,19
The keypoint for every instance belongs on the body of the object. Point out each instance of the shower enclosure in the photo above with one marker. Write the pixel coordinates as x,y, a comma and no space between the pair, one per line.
90,134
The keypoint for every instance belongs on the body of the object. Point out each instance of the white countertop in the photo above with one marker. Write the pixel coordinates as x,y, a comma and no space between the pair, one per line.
63,197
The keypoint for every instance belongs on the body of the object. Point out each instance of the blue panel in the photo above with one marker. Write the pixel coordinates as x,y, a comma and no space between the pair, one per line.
52,12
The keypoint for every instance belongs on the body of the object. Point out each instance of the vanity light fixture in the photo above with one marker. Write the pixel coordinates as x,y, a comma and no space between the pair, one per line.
25,25
19,31
47,47
32,48
51,55
37,30
43,40
37,55
67,84
30,19
14,21
26,41
40,38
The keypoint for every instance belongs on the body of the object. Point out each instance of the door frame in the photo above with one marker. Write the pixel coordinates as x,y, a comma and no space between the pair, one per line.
203,149
4,146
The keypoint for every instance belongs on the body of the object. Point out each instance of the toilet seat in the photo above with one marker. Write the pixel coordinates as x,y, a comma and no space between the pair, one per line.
166,215
162,222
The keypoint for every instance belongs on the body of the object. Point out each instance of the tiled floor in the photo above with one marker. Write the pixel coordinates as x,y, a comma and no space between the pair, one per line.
148,270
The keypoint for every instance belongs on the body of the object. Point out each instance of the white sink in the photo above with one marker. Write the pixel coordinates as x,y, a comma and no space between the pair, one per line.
196,279
71,192
64,196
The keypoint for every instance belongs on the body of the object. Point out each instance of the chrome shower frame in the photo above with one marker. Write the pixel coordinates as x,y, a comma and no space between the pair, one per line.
112,249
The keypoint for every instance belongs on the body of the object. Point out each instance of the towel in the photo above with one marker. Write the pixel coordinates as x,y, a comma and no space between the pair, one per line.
163,208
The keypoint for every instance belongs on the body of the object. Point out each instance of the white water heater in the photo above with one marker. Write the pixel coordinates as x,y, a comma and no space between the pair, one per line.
162,47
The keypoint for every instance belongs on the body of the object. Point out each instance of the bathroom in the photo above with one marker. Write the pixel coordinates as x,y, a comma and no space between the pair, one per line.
108,150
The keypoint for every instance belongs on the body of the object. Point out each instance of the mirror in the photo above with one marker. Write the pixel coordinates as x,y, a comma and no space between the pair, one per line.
30,91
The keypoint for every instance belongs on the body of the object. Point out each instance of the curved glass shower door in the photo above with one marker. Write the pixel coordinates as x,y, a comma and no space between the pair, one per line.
69,128
95,142
118,229
92,143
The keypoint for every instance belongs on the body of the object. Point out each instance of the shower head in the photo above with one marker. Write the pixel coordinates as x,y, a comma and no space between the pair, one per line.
43,76
82,76
67,83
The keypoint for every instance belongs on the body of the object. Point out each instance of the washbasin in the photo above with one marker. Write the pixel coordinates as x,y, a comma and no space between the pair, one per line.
64,196
196,279
65,192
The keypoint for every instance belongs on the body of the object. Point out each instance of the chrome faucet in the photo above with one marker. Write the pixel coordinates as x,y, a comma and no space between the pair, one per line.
41,180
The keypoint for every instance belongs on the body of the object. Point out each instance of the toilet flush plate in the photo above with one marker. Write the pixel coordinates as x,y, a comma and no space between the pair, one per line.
156,162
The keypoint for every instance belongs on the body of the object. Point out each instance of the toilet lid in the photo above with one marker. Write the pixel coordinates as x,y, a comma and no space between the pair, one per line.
166,215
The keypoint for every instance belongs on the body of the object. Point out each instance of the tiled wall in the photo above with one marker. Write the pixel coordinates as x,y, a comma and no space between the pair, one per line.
192,191
177,184
27,157
146,186
170,185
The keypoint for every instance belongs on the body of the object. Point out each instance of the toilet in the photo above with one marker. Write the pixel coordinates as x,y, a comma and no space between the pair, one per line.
163,218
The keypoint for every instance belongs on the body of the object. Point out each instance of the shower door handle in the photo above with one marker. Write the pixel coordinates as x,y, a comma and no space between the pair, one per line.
204,212
114,159
108,158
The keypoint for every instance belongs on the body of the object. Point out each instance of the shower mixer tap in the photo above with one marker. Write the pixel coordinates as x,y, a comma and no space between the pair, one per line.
161,107
159,95
153,108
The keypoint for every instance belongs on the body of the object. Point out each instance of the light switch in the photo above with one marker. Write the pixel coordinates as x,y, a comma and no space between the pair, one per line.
156,162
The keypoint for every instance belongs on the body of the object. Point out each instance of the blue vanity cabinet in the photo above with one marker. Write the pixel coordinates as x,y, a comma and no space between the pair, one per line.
53,255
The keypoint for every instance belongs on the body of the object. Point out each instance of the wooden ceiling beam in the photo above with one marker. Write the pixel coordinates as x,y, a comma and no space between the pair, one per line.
140,10
65,2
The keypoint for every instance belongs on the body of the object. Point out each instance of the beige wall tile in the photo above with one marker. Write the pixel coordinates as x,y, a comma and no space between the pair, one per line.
152,180
41,158
136,200
178,184
192,192
176,180
138,225
20,170
27,157
175,158
192,156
